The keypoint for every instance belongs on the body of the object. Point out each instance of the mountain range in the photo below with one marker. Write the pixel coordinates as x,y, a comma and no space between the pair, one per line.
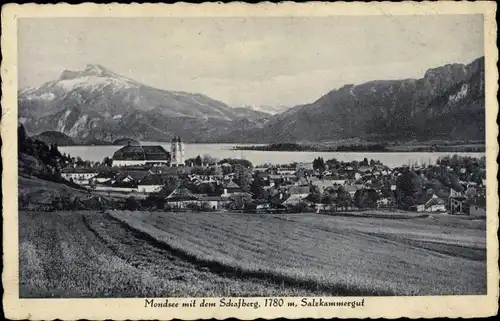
97,104
447,103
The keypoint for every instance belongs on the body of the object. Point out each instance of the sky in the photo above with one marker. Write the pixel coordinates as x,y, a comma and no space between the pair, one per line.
249,61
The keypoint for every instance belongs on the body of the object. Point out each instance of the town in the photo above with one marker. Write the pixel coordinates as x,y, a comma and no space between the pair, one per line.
149,177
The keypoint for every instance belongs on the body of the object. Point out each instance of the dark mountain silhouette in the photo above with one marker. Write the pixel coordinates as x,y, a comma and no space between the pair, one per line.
448,103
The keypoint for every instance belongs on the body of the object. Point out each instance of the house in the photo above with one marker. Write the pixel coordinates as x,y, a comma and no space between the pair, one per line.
140,155
80,176
306,166
383,202
163,169
364,169
302,181
181,197
339,182
321,185
231,188
295,199
286,170
137,175
298,190
151,184
103,177
433,204
213,202
351,189
456,202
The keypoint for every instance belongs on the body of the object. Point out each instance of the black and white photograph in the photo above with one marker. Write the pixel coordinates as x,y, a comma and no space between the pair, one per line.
262,156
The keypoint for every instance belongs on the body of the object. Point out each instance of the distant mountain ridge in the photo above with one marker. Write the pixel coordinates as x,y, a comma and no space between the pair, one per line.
54,137
447,103
98,104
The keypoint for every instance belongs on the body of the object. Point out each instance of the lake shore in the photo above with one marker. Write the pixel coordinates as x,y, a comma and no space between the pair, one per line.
369,148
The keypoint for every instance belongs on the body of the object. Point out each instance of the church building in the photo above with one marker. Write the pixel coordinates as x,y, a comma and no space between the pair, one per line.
141,155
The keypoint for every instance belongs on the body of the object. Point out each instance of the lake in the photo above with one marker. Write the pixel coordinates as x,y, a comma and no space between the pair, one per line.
220,151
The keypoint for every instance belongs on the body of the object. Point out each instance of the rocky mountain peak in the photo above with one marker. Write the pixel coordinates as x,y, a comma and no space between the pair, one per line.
95,69
91,70
449,72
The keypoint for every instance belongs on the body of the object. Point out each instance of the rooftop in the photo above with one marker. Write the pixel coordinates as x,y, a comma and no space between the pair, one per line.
152,152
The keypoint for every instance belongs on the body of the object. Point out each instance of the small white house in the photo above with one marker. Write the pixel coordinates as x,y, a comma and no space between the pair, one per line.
383,202
295,199
434,204
213,202
80,176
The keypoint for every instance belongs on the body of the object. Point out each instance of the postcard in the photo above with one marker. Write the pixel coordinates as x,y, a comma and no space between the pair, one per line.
197,161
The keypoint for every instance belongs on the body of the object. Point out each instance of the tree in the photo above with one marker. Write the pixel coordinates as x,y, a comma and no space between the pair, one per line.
319,164
238,202
471,193
300,207
237,161
107,161
344,199
198,161
257,187
207,159
244,177
314,197
132,204
327,198
366,198
21,138
408,187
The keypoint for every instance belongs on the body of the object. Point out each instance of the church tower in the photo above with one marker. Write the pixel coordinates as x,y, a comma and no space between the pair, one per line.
173,154
177,152
180,150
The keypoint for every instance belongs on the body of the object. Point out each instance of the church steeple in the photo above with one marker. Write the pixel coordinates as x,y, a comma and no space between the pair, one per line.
177,152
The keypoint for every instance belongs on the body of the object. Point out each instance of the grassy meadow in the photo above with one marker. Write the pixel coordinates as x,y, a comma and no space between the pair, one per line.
138,254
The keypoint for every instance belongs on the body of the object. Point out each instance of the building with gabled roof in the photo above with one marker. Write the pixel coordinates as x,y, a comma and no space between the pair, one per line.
151,184
295,199
433,204
141,155
231,188
181,194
